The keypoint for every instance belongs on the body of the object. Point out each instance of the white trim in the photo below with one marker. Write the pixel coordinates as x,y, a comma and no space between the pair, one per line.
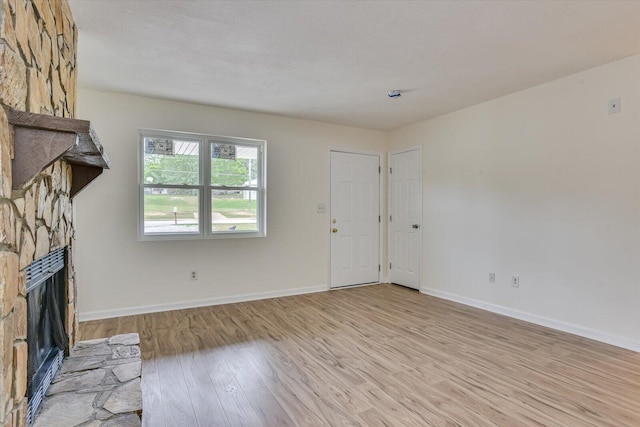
381,196
559,325
354,151
382,230
131,311
359,285
405,149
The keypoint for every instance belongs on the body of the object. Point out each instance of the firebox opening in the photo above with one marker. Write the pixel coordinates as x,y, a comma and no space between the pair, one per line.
47,340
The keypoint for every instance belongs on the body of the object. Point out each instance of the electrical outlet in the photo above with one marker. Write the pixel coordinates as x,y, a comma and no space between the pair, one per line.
614,106
193,275
492,277
321,208
515,281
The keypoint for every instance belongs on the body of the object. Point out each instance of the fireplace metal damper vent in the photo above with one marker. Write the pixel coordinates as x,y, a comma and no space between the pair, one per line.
46,337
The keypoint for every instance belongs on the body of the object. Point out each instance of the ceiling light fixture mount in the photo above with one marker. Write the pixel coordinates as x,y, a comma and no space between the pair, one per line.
394,94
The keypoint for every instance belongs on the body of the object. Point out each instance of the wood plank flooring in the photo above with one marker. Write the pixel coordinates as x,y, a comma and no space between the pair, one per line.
372,356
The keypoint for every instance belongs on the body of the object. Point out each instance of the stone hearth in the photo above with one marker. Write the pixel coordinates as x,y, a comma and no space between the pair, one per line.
97,386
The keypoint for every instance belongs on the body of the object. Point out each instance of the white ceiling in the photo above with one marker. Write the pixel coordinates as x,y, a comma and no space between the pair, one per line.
335,61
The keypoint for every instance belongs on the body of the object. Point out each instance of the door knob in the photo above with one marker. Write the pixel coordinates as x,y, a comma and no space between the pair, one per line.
415,226
335,230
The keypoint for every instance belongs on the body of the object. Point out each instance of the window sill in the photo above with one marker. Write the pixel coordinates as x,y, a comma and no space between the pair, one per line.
175,236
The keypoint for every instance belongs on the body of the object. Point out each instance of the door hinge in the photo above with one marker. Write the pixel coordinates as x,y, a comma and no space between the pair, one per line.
389,266
378,218
390,218
378,267
379,169
390,170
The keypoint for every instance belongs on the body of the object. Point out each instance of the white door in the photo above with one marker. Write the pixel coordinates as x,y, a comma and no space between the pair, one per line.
354,225
405,217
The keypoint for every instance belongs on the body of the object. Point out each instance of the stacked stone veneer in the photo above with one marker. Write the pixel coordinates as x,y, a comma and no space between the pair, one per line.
37,74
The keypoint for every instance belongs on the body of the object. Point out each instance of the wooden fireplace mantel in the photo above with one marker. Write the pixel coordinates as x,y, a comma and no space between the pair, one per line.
40,140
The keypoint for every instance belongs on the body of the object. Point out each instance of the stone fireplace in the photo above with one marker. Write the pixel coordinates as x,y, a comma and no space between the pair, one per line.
37,75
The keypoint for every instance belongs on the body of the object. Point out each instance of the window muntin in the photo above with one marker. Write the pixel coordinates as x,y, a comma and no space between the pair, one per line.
177,203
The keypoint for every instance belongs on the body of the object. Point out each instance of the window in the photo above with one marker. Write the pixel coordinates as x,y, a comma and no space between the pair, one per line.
195,186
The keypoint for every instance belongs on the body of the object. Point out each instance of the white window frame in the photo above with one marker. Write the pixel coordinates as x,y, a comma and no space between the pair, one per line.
205,187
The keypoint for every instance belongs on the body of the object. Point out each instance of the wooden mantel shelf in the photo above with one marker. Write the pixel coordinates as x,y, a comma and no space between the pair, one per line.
40,140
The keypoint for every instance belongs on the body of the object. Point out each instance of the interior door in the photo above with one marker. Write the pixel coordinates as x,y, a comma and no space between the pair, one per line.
355,226
405,217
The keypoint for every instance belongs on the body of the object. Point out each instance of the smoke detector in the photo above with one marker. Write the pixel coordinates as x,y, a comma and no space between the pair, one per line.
394,94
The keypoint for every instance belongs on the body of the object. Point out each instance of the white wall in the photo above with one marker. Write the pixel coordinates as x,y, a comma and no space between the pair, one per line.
543,183
118,274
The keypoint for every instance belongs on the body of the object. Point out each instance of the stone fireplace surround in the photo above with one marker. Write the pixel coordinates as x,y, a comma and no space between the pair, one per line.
37,74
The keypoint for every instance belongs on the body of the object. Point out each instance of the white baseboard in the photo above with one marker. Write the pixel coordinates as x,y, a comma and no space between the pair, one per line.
354,286
131,311
559,325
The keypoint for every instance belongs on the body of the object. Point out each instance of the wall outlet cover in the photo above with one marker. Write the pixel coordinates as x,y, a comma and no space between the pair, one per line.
515,281
614,106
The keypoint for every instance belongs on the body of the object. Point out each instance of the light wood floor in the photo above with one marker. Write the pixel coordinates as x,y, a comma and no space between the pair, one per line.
372,356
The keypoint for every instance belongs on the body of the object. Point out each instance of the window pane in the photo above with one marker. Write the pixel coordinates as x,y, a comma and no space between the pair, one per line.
234,165
171,210
171,161
233,211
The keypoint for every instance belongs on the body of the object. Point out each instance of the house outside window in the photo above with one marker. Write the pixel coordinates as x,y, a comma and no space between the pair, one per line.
195,186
